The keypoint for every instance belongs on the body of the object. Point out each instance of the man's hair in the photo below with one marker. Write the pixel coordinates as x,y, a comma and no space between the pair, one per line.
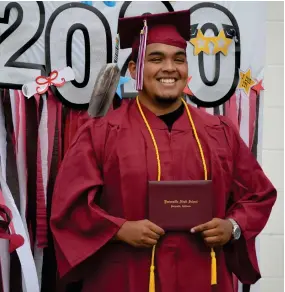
134,56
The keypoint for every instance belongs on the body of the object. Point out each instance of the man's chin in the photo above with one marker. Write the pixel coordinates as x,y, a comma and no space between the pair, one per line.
167,99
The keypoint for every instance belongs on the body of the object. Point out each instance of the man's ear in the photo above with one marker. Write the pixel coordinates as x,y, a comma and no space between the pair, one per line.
132,69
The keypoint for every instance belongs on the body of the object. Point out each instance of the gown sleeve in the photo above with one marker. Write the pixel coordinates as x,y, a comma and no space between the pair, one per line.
251,202
79,226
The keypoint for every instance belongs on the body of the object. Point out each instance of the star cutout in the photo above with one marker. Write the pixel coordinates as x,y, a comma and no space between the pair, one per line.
258,87
200,43
245,82
221,43
187,90
122,81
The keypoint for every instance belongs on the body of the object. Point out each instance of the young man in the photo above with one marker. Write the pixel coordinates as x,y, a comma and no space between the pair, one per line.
100,216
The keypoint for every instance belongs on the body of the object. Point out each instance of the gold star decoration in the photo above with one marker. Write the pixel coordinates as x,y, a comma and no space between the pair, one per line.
221,43
200,43
245,82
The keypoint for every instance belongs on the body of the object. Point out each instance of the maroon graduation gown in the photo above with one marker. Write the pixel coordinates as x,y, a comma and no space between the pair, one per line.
109,164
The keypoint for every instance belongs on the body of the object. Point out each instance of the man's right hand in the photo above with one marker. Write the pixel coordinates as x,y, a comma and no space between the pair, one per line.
141,233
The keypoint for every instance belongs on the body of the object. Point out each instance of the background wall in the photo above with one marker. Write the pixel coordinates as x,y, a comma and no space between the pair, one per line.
271,242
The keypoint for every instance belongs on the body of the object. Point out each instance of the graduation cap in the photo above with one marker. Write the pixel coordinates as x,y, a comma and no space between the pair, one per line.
172,28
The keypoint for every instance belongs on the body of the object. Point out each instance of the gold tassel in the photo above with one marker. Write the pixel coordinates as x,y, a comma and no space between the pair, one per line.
214,268
152,276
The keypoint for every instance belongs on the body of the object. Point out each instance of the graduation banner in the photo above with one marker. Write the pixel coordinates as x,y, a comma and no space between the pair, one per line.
50,56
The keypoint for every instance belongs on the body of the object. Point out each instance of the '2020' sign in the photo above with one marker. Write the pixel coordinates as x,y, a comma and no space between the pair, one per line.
81,36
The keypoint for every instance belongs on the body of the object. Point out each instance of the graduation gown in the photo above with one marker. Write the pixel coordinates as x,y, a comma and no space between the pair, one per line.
103,182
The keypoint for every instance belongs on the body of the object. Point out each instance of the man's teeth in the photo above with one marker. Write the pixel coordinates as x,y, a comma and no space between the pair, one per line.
168,80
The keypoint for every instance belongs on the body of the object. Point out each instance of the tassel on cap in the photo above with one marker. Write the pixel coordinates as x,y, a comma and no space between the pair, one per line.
141,56
152,275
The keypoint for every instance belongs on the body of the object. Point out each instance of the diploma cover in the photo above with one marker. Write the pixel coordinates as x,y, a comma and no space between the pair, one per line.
180,205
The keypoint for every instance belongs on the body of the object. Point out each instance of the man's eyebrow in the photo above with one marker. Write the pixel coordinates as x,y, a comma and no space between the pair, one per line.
156,53
180,53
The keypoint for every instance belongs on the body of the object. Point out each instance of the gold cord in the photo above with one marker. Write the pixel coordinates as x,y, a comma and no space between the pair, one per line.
213,255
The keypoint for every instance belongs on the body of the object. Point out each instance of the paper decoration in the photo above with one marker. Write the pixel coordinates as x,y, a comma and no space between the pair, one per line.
42,83
246,81
110,3
18,109
200,43
90,3
187,89
258,87
29,274
122,81
221,43
117,49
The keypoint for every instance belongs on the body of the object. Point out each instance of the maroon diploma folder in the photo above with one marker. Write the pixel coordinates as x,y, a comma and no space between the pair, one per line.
180,205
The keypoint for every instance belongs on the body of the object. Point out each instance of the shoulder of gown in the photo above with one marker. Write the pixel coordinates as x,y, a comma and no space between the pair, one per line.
98,127
217,126
209,119
112,118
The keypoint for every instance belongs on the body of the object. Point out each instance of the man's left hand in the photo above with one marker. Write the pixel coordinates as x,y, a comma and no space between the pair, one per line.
216,232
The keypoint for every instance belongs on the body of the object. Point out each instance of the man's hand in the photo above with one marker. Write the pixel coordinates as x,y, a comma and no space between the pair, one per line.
216,232
141,233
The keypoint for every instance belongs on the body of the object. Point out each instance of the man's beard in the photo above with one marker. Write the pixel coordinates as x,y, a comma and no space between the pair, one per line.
166,100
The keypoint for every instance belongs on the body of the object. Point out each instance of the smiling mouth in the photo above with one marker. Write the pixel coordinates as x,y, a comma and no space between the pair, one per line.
167,81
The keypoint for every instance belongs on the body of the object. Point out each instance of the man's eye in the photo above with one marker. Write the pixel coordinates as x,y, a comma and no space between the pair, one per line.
156,60
179,60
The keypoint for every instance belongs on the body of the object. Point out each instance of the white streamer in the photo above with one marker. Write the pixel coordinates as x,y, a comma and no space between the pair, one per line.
29,273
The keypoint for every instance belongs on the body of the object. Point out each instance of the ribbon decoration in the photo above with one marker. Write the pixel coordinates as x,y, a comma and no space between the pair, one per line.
45,82
19,121
42,83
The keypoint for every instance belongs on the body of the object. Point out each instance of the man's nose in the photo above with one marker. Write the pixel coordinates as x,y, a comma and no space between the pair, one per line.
169,66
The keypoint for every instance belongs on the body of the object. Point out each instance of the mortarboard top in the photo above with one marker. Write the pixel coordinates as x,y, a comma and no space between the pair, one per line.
171,28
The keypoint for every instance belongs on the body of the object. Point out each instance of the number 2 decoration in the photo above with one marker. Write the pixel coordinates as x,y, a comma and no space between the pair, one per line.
94,29
93,18
21,71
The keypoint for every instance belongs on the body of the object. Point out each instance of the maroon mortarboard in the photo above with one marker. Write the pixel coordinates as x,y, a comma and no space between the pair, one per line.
172,28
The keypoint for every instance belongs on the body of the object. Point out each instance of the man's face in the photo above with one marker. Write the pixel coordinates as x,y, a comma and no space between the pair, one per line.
165,72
